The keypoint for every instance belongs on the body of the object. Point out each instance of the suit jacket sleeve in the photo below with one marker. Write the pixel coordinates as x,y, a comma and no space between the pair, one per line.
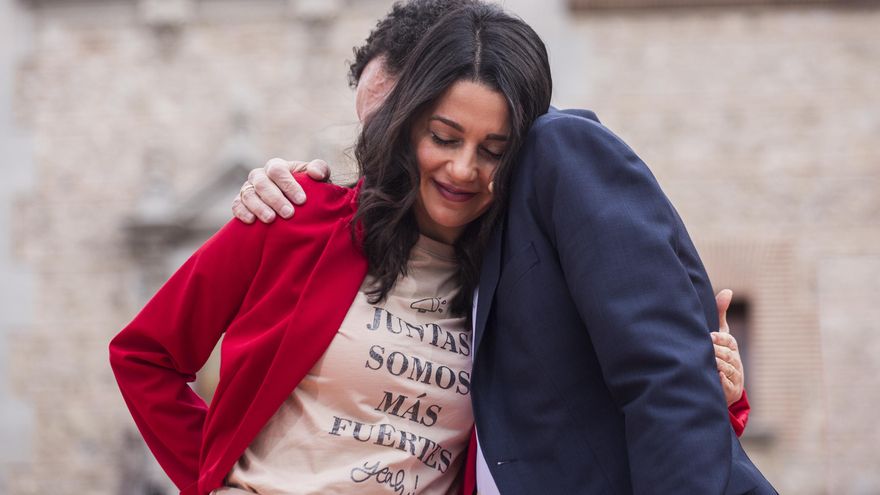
621,245
160,351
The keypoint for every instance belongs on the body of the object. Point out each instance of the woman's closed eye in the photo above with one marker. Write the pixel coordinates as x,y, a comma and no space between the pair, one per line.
441,141
491,154
453,142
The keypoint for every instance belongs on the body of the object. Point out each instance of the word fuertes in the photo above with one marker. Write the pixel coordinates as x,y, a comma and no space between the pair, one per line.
429,452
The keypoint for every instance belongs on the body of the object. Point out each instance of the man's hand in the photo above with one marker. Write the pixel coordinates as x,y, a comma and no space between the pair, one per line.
727,358
272,188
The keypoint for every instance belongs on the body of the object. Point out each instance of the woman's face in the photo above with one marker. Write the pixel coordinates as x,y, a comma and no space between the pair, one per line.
458,144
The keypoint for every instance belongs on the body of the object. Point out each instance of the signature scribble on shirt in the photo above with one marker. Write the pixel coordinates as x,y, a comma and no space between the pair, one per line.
396,480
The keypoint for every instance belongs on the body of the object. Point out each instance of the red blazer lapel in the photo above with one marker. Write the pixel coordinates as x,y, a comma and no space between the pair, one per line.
326,297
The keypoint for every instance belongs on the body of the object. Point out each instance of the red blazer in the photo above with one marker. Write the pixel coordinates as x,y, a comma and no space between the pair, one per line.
278,294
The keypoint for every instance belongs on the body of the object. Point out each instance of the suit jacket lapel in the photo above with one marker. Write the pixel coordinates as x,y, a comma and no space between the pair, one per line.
489,274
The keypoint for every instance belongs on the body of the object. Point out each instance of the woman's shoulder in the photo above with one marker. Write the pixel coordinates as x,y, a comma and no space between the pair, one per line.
325,202
312,223
325,188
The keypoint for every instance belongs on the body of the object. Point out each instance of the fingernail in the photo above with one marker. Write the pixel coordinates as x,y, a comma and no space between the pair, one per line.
299,198
286,211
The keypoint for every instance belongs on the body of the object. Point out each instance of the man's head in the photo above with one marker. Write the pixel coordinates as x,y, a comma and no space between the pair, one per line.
378,62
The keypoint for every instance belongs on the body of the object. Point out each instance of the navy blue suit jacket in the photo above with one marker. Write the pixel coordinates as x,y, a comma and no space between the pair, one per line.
594,372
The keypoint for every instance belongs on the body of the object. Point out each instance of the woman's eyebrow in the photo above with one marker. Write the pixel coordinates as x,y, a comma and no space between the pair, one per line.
455,125
451,123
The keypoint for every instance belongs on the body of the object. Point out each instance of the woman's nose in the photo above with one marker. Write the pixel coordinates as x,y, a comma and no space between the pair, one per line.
463,167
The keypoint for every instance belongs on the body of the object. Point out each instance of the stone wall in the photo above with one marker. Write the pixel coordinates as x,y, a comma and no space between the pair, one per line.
758,122
16,280
114,99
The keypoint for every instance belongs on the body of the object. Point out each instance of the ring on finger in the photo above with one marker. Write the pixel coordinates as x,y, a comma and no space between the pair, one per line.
247,186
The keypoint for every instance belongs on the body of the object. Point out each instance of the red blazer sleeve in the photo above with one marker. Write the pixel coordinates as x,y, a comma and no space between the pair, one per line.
158,353
739,414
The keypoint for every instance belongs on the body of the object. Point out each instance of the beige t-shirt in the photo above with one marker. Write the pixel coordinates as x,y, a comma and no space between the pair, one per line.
387,407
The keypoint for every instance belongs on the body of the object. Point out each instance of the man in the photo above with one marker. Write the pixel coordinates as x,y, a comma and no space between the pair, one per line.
591,385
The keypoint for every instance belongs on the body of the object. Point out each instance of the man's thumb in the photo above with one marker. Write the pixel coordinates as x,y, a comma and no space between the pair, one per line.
722,301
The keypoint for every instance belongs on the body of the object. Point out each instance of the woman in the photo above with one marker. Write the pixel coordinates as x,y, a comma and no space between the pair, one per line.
333,380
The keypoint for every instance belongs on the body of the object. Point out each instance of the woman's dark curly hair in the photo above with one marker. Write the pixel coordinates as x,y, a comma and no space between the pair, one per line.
398,32
480,43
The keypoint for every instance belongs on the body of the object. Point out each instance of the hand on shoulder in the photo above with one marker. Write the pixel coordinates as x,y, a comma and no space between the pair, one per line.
273,189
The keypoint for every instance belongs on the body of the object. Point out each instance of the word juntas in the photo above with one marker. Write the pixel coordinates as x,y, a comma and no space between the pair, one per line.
437,336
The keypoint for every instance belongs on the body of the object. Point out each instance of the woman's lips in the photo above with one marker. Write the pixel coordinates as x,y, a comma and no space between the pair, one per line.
453,194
